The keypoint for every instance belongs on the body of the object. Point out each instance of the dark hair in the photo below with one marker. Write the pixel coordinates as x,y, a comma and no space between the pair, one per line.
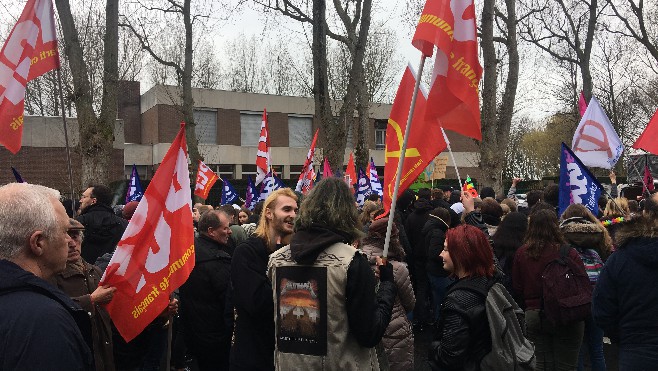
102,194
437,194
487,192
443,214
455,197
543,232
210,219
510,234
258,208
552,194
533,197
405,199
541,205
470,250
633,206
425,193
491,207
373,197
231,212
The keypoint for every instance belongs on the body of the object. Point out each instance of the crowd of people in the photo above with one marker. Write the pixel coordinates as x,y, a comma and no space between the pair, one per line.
302,283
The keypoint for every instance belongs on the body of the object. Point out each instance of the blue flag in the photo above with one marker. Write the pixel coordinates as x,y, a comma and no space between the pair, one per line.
229,195
375,184
270,184
363,189
19,178
135,191
252,196
577,184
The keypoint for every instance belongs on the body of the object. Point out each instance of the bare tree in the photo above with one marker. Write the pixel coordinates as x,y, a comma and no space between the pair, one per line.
497,116
96,132
564,29
636,26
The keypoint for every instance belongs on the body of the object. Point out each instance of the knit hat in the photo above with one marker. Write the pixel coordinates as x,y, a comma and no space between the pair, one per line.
129,209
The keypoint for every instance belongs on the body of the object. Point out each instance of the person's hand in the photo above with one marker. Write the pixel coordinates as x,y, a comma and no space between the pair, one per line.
468,201
515,181
613,177
385,270
171,309
103,294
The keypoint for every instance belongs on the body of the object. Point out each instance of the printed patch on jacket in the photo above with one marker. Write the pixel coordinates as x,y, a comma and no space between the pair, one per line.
302,317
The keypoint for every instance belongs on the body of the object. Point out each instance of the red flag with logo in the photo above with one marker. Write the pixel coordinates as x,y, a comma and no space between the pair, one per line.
647,140
205,179
156,253
425,139
306,178
648,179
350,173
29,52
454,95
263,156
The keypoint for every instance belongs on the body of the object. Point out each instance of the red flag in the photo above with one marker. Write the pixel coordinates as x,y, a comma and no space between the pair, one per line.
29,52
156,253
582,105
263,161
205,179
647,140
424,143
454,96
326,169
350,173
648,179
306,178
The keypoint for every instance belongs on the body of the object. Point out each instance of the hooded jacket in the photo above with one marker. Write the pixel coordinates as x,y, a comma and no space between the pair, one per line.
434,236
328,313
625,300
103,231
414,226
44,325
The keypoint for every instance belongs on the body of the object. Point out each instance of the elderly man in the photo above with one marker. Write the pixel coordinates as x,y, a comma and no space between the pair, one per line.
41,326
80,281
204,294
103,229
253,348
329,312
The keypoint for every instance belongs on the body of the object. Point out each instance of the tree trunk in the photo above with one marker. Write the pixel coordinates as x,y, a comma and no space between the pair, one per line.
332,131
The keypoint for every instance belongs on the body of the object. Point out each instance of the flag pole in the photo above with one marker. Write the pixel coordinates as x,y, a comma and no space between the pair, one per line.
445,137
66,139
403,149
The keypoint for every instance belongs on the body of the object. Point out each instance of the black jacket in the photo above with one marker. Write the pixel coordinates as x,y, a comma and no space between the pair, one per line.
434,235
414,227
203,298
41,327
103,231
368,310
253,347
462,336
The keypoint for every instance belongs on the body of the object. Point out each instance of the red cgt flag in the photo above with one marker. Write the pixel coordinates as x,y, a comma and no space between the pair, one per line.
307,177
263,156
647,140
454,95
424,144
205,179
350,173
29,52
156,253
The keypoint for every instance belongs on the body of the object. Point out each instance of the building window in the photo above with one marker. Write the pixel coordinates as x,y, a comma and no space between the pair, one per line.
206,126
142,170
250,123
300,131
295,170
226,171
248,170
380,134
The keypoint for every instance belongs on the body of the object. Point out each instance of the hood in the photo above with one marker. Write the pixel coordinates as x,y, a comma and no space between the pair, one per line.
433,222
307,244
422,206
585,235
639,238
97,207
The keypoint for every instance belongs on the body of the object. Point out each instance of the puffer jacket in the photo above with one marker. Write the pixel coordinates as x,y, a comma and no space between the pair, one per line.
398,340
462,336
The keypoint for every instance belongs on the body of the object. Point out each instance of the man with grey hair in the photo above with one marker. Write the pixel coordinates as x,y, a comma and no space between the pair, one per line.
41,326
329,313
204,294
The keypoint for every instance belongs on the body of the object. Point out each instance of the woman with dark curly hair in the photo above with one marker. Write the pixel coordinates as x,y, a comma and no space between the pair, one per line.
556,346
508,238
462,336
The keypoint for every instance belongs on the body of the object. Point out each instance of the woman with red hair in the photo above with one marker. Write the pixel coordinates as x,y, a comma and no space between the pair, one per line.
463,338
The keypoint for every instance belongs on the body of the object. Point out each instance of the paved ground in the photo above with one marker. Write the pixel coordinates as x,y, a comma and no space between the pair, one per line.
423,339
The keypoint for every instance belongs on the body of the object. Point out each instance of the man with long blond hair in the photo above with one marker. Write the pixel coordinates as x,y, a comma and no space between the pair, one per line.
253,347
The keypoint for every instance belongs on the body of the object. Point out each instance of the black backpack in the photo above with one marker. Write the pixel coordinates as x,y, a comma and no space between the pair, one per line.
566,290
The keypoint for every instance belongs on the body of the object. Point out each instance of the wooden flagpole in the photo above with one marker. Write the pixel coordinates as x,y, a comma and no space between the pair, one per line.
403,149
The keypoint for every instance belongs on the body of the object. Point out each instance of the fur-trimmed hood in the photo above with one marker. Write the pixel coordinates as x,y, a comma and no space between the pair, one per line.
585,235
639,237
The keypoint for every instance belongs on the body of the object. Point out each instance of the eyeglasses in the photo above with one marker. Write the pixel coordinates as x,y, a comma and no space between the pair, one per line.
74,233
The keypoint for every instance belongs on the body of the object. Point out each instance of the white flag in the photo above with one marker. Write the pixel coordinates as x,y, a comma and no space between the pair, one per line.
595,141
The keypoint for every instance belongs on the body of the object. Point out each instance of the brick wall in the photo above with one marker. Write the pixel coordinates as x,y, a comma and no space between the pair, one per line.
228,127
128,105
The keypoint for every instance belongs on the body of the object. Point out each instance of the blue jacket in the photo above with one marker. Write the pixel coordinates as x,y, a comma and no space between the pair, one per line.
625,299
41,326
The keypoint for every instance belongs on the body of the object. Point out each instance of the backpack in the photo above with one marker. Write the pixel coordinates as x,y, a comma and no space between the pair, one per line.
566,290
592,262
510,348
